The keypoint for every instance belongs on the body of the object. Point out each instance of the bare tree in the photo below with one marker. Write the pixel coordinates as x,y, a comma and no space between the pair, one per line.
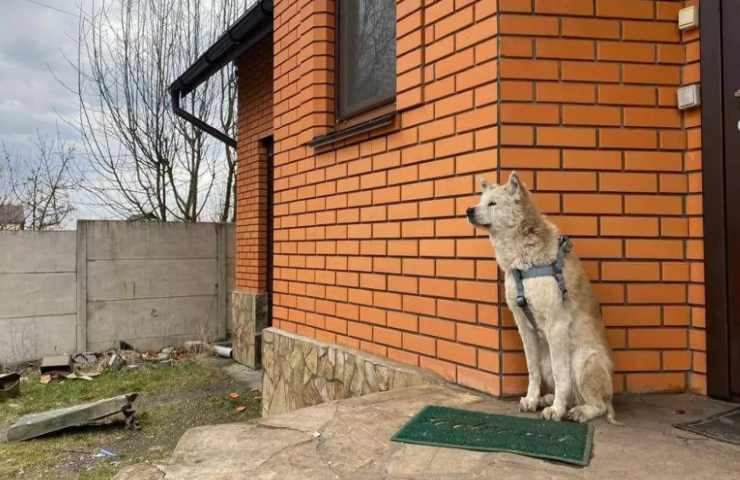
143,159
41,182
4,180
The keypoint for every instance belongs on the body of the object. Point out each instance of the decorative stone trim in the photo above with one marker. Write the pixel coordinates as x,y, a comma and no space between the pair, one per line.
250,317
300,372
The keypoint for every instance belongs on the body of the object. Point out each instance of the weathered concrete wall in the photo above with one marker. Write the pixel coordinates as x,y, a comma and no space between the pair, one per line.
300,372
37,294
153,284
149,284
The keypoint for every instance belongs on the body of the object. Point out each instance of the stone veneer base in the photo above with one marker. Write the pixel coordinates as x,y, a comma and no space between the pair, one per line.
249,312
300,372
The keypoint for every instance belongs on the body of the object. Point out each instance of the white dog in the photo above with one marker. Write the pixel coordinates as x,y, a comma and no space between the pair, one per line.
557,315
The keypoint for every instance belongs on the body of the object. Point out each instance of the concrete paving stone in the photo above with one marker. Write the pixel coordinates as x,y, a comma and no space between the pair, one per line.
140,472
353,444
245,375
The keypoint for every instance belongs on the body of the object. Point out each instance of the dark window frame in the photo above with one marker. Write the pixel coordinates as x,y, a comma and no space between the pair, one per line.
380,107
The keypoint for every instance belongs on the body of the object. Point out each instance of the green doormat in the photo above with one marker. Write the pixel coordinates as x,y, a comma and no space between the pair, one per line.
450,427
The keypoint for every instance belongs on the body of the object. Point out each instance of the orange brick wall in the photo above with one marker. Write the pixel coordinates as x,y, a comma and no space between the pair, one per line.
372,250
588,115
255,123
371,246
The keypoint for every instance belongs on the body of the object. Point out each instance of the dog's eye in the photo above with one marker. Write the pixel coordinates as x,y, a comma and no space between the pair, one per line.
492,204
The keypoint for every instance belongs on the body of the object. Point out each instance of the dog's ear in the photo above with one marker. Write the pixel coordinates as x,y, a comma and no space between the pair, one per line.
514,185
484,185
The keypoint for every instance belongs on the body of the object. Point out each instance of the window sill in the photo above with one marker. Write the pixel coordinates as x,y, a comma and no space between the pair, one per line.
350,131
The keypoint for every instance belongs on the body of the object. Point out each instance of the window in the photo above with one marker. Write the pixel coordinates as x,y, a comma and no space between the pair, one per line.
367,55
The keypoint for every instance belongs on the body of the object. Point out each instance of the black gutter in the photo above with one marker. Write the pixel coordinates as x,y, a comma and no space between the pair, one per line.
250,28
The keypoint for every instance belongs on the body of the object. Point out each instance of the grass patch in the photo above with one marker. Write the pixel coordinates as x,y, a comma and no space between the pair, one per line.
172,400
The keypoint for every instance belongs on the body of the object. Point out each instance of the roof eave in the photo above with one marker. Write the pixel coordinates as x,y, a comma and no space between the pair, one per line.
250,28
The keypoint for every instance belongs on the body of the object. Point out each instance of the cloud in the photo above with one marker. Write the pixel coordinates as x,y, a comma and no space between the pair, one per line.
35,45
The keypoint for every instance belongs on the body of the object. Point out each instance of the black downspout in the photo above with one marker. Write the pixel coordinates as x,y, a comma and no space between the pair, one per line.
197,121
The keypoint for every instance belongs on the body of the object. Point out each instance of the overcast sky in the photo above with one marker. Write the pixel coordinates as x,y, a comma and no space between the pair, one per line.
38,49
35,38
38,39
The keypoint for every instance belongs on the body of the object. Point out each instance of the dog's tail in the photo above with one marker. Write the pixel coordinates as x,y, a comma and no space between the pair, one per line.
610,417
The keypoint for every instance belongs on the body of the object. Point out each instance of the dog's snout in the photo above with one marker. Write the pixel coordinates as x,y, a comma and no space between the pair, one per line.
470,212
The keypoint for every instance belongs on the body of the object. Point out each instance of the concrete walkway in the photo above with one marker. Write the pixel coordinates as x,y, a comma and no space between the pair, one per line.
348,439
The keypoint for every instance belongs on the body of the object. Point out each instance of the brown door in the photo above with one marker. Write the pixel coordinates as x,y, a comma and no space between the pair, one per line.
721,161
731,98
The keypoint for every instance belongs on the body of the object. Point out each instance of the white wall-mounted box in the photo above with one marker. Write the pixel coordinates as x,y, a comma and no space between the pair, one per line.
688,18
688,97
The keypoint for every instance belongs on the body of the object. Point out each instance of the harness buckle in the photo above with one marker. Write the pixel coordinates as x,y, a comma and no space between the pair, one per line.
521,301
561,284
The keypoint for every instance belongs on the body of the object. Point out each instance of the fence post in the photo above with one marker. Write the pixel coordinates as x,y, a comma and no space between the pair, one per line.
221,259
81,255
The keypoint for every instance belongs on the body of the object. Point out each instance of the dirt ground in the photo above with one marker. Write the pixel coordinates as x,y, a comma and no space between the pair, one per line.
172,399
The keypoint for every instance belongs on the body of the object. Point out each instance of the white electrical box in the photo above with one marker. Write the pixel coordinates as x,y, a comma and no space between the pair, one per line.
688,18
688,97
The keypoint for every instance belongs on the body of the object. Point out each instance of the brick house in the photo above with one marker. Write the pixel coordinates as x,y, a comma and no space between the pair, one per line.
359,149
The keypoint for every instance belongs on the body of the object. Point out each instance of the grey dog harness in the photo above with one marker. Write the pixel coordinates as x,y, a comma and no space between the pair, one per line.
555,269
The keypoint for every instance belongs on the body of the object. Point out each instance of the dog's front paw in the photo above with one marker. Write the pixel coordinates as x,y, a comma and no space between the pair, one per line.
581,413
552,413
577,414
527,404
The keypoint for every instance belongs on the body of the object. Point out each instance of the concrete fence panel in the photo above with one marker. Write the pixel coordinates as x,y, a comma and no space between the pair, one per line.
152,284
37,294
149,284
149,240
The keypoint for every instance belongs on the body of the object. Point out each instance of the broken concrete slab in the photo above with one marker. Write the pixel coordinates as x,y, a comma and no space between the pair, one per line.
56,363
37,424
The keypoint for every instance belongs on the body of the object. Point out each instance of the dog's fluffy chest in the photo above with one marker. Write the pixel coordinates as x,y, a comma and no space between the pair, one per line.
542,294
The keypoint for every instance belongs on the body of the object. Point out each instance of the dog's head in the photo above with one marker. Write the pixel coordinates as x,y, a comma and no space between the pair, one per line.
501,207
